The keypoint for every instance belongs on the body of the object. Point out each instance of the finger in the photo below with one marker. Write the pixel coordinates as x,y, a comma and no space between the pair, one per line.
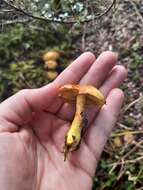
104,123
95,76
20,107
72,75
74,72
99,71
114,80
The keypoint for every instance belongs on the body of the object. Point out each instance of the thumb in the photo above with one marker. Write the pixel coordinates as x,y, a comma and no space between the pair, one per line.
19,108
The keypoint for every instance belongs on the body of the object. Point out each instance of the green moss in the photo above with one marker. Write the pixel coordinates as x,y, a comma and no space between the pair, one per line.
130,121
21,49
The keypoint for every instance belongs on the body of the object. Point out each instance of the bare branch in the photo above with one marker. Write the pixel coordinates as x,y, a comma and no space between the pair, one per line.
61,21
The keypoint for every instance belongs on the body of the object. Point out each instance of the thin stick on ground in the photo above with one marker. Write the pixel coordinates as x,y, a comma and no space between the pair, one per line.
132,104
129,161
126,132
122,160
137,11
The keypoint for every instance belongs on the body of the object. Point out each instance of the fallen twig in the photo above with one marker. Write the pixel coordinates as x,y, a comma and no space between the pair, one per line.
133,149
127,161
126,132
131,104
137,11
122,160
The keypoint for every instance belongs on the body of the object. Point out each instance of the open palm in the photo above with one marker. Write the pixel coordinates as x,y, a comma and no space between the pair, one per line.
33,124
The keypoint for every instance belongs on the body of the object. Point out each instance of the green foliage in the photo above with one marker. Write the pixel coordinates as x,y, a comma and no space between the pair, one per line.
137,60
136,66
130,121
136,54
26,74
131,177
21,49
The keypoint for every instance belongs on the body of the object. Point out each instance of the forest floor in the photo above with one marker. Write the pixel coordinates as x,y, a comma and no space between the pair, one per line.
122,32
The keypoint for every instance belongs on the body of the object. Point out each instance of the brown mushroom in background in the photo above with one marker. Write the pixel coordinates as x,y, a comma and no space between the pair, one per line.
50,64
51,55
82,96
51,75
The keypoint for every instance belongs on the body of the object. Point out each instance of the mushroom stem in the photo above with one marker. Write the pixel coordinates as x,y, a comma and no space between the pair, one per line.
80,106
73,136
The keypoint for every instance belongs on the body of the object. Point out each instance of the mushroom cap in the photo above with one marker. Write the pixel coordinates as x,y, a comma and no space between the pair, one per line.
93,95
51,75
51,55
51,64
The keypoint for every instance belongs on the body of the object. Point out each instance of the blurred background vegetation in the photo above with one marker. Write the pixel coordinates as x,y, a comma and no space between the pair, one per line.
70,28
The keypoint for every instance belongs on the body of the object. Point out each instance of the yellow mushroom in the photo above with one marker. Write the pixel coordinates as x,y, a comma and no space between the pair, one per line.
51,75
50,64
83,96
51,55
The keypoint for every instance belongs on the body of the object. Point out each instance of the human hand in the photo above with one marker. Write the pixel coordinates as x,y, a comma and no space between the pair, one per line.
33,124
